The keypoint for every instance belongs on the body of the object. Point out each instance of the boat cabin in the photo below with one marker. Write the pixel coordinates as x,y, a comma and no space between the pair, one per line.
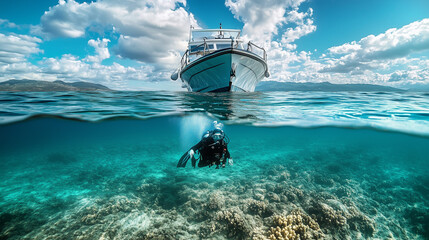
205,41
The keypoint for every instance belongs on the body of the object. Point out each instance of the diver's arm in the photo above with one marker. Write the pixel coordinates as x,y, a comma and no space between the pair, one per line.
228,157
192,152
202,142
225,157
223,163
197,146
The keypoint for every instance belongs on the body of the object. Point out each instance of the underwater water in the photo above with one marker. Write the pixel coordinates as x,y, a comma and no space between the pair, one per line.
307,165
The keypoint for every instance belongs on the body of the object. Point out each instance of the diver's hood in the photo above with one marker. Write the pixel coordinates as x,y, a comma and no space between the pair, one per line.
218,135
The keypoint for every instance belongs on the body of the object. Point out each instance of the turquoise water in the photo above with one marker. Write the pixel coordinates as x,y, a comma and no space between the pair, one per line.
322,165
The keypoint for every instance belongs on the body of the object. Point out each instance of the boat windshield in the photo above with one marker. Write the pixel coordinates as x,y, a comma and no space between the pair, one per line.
198,35
207,41
222,46
200,48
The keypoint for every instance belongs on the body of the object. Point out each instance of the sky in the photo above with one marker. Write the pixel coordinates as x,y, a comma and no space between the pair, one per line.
137,44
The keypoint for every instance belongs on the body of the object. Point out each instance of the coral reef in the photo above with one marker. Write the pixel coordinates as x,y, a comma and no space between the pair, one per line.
294,226
326,215
287,196
235,222
97,212
260,208
216,201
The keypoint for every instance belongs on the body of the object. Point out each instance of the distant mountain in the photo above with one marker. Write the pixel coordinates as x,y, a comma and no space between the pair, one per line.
419,88
46,86
324,86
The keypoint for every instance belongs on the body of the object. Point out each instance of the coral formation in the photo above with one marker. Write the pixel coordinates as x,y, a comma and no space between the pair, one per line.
96,213
235,223
294,226
260,208
216,201
326,216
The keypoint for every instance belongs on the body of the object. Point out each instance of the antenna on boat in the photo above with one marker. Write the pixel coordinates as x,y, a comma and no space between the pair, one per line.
190,33
220,32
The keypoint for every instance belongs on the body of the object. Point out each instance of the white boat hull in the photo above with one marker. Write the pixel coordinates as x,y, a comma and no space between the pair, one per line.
223,71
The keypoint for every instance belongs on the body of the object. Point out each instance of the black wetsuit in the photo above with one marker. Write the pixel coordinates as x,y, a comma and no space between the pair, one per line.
211,152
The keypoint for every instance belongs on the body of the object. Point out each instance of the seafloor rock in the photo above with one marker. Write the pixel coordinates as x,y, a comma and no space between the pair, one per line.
362,224
215,202
325,215
273,197
344,191
323,180
291,194
18,222
157,234
259,233
97,213
234,223
260,208
336,218
419,219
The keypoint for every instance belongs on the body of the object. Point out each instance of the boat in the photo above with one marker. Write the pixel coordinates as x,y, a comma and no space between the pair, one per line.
218,60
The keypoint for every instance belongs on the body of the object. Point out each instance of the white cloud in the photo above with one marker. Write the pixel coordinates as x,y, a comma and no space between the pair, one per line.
15,48
304,26
151,31
72,68
415,76
101,50
345,48
67,19
7,24
9,70
372,51
372,60
262,19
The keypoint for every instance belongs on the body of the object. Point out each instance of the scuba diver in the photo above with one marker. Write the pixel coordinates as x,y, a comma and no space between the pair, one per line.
212,150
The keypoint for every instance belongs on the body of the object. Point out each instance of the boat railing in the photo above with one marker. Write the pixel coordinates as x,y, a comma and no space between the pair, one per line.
185,56
250,45
234,44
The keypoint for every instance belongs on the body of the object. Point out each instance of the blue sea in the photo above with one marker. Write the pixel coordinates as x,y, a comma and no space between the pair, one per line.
307,165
